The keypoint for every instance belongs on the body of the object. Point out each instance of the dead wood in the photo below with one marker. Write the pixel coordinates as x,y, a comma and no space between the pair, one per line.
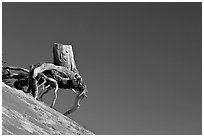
63,56
61,74
35,72
16,68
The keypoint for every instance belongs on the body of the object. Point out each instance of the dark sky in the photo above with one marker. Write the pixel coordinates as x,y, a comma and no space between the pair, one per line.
142,62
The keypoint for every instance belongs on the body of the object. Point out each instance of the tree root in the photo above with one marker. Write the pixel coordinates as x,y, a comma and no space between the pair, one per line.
53,77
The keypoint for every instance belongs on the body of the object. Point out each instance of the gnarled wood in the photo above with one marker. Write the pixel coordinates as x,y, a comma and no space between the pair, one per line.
62,74
49,66
16,68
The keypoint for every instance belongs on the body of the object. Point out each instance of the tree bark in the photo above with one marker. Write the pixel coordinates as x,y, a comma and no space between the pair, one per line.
63,56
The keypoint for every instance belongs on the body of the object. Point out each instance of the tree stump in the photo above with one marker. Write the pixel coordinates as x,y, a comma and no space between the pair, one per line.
63,56
62,73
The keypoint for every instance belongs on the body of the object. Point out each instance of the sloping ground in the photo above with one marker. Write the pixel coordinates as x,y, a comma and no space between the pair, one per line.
23,115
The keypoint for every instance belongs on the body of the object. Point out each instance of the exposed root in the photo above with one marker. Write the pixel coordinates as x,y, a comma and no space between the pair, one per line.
16,68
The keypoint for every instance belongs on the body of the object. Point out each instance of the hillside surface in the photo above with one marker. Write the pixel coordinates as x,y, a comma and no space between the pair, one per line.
23,115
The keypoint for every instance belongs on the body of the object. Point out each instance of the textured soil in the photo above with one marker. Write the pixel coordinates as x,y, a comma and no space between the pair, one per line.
22,115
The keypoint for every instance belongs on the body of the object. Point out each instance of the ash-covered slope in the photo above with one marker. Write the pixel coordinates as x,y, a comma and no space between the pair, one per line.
23,115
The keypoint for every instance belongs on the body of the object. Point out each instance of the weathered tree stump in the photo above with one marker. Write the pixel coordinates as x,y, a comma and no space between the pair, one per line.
63,56
62,73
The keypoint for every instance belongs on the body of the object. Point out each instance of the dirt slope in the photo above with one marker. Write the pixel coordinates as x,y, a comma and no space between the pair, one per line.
22,115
